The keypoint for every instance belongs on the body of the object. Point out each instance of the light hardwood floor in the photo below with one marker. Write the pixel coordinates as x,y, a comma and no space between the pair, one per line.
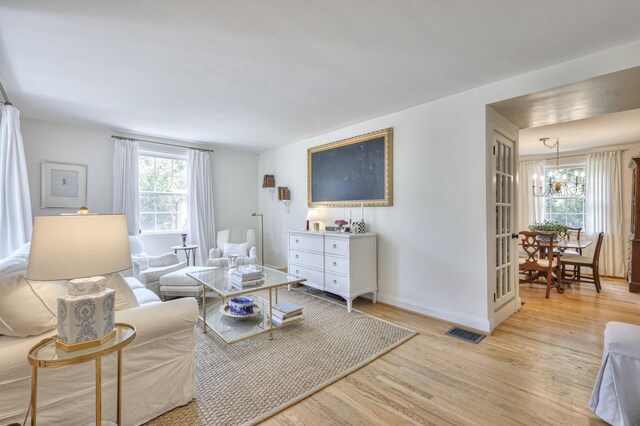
538,367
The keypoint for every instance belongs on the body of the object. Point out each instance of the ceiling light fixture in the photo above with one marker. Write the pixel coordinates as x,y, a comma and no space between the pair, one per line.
559,184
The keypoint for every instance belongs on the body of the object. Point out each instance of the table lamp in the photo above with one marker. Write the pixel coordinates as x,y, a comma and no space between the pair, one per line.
313,216
81,248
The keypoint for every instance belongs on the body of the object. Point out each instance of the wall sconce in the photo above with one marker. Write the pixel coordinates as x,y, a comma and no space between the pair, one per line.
269,181
284,195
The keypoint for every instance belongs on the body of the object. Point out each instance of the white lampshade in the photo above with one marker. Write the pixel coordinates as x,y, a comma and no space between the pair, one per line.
313,215
78,246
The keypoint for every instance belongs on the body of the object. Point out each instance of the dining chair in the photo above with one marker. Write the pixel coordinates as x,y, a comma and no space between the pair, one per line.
586,262
575,252
536,266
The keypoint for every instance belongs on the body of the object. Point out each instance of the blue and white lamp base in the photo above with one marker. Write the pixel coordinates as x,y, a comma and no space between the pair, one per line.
86,315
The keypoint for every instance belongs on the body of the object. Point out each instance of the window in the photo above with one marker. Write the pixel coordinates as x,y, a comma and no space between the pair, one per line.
163,193
563,208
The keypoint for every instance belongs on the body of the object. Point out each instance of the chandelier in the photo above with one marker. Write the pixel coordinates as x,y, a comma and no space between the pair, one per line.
559,184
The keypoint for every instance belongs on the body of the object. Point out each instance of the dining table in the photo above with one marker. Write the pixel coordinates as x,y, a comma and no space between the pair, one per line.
574,245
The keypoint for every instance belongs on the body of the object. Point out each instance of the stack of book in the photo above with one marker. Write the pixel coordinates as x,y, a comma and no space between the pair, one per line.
246,277
285,312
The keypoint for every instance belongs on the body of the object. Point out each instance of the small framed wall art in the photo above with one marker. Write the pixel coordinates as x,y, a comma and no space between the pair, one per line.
63,185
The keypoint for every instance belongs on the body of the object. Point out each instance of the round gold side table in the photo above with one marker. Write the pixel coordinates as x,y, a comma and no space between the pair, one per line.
46,355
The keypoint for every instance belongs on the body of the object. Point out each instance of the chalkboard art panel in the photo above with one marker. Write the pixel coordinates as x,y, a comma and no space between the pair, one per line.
352,171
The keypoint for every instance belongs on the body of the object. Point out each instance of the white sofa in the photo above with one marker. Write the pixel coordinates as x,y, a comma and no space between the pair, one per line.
158,369
148,269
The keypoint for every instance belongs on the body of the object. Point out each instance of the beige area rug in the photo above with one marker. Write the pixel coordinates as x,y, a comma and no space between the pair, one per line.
249,381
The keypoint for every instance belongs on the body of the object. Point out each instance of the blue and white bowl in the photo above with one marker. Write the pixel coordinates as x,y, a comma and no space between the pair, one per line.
241,305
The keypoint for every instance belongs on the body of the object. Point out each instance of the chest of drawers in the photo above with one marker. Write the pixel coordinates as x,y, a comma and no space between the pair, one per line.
340,263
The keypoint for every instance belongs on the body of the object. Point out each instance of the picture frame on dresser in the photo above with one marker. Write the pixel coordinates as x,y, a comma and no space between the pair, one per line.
352,172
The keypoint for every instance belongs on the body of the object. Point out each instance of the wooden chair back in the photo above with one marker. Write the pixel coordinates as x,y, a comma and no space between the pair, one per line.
531,248
575,231
596,253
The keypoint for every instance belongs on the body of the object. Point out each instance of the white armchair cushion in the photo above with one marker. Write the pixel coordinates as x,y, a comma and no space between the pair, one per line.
239,249
28,308
166,259
125,298
142,260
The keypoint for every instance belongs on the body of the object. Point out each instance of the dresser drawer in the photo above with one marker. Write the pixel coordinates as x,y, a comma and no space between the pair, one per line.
337,246
304,258
336,265
306,242
336,284
314,278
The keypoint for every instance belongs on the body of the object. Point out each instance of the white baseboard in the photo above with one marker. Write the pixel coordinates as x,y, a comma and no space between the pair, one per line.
477,323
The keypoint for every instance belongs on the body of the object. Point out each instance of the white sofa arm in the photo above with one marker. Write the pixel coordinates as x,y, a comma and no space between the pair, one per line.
218,263
215,253
163,260
160,319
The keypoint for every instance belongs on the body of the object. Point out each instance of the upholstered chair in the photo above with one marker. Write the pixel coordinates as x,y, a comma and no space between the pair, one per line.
148,269
240,241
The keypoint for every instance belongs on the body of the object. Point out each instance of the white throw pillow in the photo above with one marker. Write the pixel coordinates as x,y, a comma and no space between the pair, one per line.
239,249
142,260
125,298
28,308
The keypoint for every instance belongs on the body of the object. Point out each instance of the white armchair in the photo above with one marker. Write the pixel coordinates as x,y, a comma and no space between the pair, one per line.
238,241
148,269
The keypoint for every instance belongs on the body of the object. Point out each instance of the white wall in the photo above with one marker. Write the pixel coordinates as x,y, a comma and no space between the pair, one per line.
46,141
234,175
432,246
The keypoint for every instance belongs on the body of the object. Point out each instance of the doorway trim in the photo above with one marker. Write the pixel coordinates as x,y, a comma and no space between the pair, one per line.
497,123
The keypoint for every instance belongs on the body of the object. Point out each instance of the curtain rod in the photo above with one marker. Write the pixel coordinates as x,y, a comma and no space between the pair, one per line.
160,143
4,95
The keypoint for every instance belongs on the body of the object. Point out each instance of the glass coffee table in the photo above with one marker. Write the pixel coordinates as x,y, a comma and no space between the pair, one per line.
235,329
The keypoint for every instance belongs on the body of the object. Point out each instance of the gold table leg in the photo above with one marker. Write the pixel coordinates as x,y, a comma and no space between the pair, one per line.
34,394
270,316
98,391
204,308
119,415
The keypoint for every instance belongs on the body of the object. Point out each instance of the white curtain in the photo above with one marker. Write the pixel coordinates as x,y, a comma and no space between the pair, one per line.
530,208
202,228
603,209
125,182
15,202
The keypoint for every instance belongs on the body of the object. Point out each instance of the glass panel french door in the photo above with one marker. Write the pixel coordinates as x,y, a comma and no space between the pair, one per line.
506,254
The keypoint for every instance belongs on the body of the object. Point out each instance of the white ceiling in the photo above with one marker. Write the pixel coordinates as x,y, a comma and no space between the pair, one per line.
611,129
260,74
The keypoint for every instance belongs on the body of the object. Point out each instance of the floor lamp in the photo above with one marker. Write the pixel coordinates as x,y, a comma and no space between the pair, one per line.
261,234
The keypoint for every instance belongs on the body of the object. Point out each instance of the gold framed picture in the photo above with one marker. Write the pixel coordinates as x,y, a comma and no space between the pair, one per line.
351,172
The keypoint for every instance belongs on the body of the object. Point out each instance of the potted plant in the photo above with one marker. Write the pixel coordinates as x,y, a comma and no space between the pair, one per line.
341,224
558,229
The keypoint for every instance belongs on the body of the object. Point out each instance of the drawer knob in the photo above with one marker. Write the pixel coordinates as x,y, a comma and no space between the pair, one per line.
297,241
335,264
296,256
335,246
335,281
297,271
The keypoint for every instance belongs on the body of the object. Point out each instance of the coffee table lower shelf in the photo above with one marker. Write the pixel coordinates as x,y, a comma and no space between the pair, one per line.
234,330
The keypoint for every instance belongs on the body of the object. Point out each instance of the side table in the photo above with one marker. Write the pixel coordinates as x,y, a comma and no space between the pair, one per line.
46,355
189,252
